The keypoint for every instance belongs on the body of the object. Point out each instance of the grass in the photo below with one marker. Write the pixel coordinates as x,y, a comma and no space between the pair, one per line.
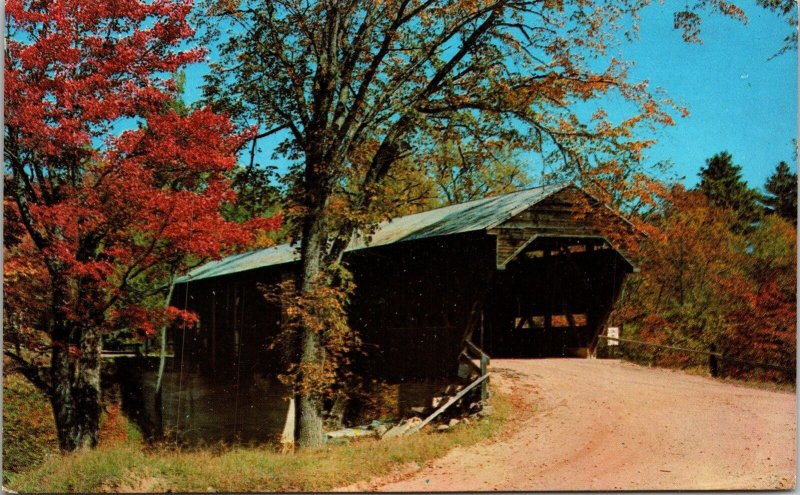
756,383
129,466
29,436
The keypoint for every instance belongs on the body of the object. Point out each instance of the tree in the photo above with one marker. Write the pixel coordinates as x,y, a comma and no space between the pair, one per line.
678,298
98,219
357,86
257,198
762,325
704,283
721,181
467,171
781,197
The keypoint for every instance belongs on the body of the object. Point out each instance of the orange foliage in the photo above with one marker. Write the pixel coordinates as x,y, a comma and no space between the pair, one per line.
114,426
701,283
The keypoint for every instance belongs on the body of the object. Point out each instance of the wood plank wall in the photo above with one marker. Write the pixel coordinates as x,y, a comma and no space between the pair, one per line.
569,212
415,303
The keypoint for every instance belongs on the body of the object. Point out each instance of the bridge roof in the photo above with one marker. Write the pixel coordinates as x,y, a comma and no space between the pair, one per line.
480,214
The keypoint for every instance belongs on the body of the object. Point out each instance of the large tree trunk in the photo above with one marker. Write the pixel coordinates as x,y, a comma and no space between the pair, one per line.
308,419
75,374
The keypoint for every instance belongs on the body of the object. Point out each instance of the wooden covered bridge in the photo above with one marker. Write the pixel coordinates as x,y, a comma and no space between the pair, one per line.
532,273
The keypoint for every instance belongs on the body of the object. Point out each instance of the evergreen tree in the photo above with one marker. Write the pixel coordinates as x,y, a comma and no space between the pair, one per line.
721,181
781,197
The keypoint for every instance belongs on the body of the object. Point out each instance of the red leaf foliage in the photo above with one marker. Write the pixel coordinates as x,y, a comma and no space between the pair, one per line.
97,216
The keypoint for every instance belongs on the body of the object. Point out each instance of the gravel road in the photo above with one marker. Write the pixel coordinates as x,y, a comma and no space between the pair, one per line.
611,425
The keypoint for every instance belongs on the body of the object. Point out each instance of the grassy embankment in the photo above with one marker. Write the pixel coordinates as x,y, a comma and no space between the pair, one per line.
123,463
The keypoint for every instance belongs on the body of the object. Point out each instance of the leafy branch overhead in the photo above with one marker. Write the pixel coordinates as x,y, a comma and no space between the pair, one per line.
388,79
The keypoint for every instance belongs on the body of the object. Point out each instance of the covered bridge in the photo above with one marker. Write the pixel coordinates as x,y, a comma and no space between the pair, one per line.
532,273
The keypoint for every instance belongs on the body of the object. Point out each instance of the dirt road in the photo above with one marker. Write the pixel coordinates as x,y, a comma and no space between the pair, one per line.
610,425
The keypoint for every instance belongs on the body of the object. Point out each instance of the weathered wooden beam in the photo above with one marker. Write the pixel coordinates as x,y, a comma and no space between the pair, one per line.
449,403
214,329
484,372
502,265
477,350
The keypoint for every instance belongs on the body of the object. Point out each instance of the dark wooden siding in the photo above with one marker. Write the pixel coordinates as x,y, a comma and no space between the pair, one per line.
414,301
414,304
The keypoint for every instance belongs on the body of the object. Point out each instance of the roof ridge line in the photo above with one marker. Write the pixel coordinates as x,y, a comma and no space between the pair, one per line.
213,266
541,186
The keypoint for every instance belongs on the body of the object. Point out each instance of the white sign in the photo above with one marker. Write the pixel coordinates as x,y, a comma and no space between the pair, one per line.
612,333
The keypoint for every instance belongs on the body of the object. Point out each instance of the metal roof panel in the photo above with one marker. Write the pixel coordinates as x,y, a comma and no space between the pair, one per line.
454,219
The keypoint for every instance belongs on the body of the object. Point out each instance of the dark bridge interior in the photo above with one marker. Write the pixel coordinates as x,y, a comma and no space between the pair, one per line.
552,299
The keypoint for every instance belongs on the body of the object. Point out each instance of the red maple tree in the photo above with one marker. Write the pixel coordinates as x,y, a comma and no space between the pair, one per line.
762,327
96,218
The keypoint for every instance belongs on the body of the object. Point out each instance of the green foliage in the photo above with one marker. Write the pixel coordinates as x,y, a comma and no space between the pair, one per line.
781,197
772,249
256,194
134,469
257,198
177,103
29,435
463,171
721,181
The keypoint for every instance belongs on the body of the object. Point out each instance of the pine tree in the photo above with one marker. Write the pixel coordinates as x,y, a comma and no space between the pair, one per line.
721,181
781,197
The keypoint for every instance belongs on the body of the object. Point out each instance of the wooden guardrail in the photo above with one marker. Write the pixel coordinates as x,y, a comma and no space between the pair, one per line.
122,350
484,365
713,355
482,380
449,403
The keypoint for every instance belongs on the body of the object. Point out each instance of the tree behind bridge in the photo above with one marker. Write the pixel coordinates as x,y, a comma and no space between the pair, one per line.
781,197
357,86
722,183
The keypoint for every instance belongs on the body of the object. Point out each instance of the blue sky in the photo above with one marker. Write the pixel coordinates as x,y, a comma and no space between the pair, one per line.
739,100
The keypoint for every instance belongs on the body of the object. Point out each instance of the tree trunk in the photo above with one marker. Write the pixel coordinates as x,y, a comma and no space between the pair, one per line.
309,432
76,386
308,419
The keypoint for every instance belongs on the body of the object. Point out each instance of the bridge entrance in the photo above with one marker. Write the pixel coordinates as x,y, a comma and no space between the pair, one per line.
553,298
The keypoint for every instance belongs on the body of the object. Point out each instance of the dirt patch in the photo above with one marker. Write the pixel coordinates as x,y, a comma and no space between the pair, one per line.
610,425
404,472
134,484
502,382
